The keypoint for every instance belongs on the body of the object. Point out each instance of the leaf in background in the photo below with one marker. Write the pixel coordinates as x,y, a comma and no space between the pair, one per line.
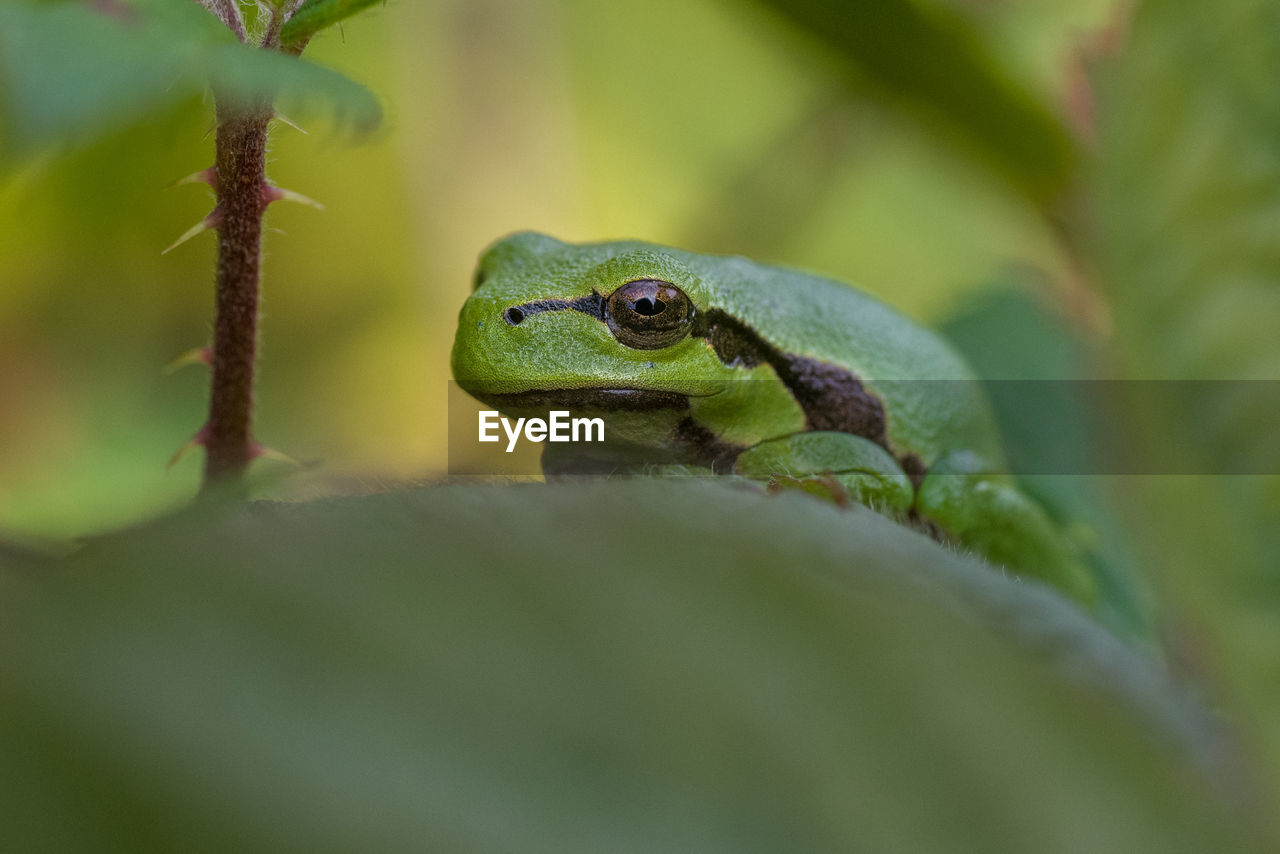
315,15
69,74
1053,425
789,179
934,64
1188,213
1189,180
621,667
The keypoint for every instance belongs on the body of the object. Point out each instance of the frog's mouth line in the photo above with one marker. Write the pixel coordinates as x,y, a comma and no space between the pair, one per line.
595,399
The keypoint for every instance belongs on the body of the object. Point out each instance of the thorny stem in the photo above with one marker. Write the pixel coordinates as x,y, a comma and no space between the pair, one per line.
227,11
243,195
241,181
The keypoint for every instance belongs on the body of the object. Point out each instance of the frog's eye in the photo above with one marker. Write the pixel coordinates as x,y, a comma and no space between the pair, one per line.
648,314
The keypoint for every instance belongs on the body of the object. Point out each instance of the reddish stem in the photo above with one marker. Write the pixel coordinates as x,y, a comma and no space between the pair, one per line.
241,177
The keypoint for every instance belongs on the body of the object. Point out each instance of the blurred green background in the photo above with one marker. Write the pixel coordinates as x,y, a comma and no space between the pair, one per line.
1070,189
711,125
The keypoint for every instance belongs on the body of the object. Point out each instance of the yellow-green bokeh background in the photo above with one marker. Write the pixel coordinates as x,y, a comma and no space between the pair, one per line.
690,123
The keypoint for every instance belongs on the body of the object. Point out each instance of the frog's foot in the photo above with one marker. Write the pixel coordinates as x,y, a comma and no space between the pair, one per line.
828,486
990,515
837,467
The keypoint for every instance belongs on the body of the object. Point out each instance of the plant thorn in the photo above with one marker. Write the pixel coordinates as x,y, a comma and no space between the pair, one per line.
276,194
204,176
209,222
260,451
201,436
285,120
194,356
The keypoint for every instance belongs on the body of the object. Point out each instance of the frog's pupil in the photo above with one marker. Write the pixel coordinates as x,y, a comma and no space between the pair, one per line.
649,307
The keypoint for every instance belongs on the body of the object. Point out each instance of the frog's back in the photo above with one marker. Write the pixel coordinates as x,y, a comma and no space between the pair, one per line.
934,403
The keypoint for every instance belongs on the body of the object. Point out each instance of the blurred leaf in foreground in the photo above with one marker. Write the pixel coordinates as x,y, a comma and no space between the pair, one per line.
69,73
638,666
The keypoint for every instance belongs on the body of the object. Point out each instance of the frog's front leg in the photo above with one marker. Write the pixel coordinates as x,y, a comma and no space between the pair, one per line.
989,514
836,466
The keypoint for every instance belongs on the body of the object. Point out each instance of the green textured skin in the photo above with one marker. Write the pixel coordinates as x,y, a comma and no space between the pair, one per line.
947,425
797,312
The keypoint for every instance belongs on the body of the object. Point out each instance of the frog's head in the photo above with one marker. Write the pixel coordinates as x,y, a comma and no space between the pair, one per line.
622,329
602,326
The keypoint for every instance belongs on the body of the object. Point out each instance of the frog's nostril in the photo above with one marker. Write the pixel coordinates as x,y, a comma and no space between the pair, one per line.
513,316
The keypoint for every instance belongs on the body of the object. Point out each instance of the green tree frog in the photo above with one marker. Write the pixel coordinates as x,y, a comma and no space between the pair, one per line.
709,363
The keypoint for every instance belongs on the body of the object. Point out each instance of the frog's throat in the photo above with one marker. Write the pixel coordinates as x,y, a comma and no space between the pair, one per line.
696,443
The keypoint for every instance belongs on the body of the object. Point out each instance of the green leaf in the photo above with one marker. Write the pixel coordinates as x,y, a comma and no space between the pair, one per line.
1189,179
1053,423
935,65
69,74
315,15
1188,208
622,667
66,72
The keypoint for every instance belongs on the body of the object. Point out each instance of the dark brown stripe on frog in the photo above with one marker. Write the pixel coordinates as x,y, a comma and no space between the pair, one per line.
592,305
704,447
832,397
914,468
